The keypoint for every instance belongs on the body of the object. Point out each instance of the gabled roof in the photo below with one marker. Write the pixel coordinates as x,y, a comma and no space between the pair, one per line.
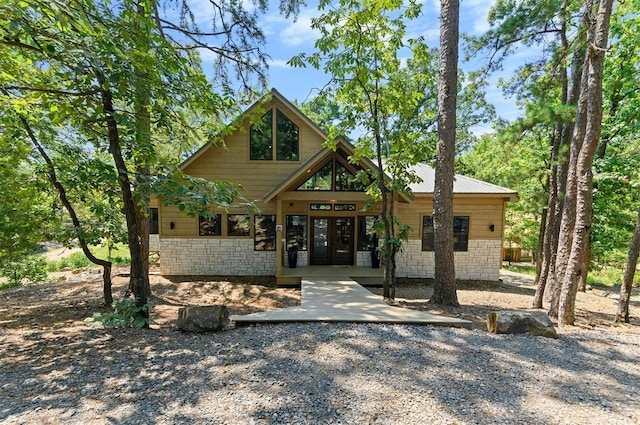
462,185
273,94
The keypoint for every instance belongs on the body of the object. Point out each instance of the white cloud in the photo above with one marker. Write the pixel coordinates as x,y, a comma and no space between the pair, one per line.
475,13
299,32
279,63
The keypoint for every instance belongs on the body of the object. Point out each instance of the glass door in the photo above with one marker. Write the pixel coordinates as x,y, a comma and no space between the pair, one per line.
332,239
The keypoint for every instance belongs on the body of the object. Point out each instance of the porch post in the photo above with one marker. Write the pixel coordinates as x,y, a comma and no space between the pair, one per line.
279,236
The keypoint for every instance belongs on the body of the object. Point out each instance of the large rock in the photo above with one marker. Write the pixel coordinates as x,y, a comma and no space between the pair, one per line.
203,319
518,322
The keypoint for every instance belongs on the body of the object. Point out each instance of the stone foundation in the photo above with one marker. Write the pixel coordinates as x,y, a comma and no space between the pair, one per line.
224,257
236,257
480,262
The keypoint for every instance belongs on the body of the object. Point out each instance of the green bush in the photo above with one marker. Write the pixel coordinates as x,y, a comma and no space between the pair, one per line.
126,314
23,268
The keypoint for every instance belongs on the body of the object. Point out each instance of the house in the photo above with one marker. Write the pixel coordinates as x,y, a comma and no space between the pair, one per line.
309,199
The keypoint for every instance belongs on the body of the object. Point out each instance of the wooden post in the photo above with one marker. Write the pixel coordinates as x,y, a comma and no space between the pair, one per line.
279,236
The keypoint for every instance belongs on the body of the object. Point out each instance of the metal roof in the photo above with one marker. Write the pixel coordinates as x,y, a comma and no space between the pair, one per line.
461,185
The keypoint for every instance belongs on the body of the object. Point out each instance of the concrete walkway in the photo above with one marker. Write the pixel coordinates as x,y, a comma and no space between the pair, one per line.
331,299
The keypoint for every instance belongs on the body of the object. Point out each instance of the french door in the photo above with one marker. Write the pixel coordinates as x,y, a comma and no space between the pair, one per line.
332,240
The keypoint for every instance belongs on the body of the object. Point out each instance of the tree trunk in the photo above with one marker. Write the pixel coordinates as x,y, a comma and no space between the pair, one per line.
143,138
139,276
567,223
622,314
444,288
555,183
540,248
62,192
586,262
584,190
388,292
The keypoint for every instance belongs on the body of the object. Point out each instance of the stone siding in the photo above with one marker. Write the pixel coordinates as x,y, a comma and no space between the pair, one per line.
481,261
303,259
225,257
154,243
363,259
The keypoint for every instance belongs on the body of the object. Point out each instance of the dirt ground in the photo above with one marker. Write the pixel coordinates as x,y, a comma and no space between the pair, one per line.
76,295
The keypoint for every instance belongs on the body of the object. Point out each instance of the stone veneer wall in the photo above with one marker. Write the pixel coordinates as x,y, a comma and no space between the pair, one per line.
204,256
303,259
363,259
154,243
481,261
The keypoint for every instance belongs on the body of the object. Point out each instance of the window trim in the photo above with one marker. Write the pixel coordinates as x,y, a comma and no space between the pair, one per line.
154,221
256,234
248,219
275,141
261,122
218,218
359,246
305,236
458,246
334,162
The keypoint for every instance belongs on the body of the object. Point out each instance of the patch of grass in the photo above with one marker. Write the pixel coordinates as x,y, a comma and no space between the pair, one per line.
610,276
528,269
603,276
119,257
7,285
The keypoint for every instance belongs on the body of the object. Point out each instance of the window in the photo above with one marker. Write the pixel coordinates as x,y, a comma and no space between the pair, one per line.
460,233
344,207
328,178
153,221
260,135
346,180
297,232
265,233
238,225
320,180
367,237
261,138
209,226
286,138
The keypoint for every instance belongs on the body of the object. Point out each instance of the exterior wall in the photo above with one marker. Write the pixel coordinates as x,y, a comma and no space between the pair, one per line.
480,262
231,161
483,211
154,243
303,259
363,259
226,257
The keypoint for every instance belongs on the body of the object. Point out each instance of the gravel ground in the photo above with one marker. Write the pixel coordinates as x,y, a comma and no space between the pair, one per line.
55,370
319,373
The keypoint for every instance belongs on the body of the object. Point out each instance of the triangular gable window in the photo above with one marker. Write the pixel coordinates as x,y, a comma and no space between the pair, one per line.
333,176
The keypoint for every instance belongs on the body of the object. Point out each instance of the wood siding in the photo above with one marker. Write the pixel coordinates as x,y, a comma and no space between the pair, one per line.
482,212
258,177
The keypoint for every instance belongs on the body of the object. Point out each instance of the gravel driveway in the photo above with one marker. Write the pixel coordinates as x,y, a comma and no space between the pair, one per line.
318,373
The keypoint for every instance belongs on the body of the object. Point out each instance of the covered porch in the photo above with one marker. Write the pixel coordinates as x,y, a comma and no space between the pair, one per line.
363,275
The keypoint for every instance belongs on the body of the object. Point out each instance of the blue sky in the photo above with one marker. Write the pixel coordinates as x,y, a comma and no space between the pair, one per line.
286,38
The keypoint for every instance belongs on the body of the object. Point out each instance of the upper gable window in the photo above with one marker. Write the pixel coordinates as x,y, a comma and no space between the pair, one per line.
285,140
333,176
260,136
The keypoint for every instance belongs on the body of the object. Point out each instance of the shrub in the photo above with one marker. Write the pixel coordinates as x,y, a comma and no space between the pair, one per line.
126,314
23,268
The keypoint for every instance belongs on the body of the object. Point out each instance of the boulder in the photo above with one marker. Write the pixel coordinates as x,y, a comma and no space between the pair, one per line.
518,322
203,319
